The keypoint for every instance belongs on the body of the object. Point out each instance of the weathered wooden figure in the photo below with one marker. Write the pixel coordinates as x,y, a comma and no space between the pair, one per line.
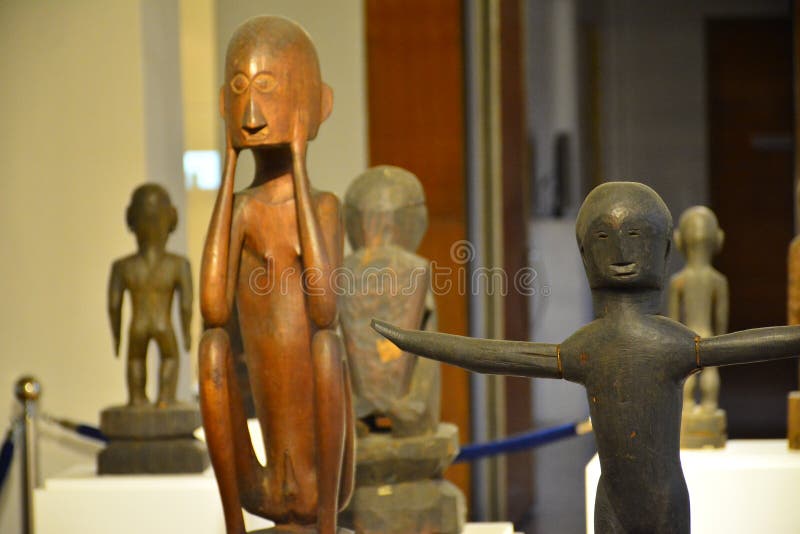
698,298
270,252
631,360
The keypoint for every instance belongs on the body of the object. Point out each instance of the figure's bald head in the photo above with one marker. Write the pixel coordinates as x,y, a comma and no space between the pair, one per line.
151,212
698,231
385,205
272,78
623,231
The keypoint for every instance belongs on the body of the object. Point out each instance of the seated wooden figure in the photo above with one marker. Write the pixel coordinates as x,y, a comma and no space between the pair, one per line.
402,449
698,298
386,218
631,360
270,252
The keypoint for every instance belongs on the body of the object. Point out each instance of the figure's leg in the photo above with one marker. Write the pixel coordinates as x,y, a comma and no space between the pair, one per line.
137,368
168,372
348,478
330,404
688,392
605,519
709,389
236,468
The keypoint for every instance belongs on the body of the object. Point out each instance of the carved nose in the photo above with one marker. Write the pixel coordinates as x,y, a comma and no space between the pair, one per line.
253,121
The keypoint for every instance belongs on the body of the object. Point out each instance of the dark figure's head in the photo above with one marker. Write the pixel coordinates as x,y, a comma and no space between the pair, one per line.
385,206
151,215
623,231
272,87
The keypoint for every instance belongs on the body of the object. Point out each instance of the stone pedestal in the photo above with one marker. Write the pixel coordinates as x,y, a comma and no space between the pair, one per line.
399,485
147,439
701,429
794,420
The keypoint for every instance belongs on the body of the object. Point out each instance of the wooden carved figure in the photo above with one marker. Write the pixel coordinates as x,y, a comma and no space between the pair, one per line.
399,475
793,313
631,360
386,218
270,252
151,276
698,298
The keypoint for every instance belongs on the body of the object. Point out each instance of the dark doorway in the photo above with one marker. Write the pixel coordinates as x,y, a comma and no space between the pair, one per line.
750,142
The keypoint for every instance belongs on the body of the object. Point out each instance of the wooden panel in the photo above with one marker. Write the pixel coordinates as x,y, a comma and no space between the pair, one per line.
515,247
750,124
416,107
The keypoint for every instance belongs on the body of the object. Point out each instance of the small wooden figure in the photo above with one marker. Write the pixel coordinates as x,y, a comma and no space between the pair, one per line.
698,298
631,360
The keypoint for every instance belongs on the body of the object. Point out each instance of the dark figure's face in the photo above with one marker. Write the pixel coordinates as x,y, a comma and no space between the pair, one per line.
623,232
272,84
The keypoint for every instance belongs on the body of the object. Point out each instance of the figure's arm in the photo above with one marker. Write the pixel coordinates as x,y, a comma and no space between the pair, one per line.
517,358
116,288
721,306
221,252
185,288
748,346
319,255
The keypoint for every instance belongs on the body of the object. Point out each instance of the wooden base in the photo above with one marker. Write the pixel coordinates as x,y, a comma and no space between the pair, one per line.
794,420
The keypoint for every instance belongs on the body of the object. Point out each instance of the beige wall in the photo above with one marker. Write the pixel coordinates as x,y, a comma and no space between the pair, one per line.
75,144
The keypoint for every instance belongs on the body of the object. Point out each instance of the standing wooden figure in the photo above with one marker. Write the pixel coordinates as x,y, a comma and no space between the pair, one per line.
145,437
270,252
698,298
631,360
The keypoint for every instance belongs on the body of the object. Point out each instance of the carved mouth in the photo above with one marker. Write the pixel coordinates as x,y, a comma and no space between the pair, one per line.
623,269
256,135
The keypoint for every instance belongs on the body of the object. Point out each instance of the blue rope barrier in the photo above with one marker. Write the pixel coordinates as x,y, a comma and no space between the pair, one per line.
522,441
87,431
7,454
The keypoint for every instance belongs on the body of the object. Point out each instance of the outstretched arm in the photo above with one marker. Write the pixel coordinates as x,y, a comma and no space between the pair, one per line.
517,358
116,288
749,346
185,288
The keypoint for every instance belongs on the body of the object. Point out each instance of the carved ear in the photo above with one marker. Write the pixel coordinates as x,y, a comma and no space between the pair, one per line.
326,105
676,237
222,101
720,240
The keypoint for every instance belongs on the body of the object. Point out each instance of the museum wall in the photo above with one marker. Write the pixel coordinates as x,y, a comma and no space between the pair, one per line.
92,106
653,96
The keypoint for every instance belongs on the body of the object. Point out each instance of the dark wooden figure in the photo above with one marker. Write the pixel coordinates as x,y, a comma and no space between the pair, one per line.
270,252
631,360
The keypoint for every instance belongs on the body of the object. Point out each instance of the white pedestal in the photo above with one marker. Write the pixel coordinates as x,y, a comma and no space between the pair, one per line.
749,486
79,501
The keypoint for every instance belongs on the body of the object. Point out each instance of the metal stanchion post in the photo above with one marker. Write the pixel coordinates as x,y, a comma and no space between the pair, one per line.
27,391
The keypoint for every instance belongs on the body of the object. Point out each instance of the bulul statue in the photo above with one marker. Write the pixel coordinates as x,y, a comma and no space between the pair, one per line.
270,252
145,437
402,449
698,298
631,360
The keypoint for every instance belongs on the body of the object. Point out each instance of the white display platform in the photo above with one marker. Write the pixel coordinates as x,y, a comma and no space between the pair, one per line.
79,501
749,486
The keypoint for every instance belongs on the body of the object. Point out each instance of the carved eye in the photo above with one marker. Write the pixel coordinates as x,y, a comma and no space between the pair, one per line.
634,233
601,235
264,83
239,84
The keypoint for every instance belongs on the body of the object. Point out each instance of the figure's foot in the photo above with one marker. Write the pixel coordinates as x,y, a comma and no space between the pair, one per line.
138,401
165,403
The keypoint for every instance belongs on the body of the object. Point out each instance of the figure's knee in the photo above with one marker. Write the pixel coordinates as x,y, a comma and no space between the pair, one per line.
326,352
